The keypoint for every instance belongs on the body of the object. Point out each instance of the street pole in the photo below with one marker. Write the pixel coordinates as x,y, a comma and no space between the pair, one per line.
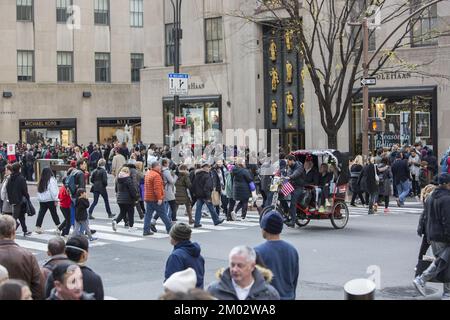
365,65
176,66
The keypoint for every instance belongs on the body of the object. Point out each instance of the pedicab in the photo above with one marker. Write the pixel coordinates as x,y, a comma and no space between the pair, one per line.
336,209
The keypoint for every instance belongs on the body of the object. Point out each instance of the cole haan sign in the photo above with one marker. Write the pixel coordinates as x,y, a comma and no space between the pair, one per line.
393,76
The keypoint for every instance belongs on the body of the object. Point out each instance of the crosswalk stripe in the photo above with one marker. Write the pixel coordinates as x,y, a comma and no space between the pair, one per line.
118,238
32,245
244,224
128,233
47,237
162,228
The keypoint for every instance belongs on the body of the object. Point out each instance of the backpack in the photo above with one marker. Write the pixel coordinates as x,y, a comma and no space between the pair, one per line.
444,164
71,183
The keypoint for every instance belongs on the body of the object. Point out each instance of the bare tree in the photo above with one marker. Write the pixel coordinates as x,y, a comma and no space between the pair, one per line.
332,51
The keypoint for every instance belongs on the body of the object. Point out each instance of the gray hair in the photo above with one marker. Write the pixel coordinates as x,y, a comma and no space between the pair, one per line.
7,226
244,251
56,246
101,162
4,274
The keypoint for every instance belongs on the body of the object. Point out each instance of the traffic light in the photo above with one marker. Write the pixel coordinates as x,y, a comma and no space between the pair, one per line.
376,125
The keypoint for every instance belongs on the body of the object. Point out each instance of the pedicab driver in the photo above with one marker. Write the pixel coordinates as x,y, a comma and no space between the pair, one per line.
296,176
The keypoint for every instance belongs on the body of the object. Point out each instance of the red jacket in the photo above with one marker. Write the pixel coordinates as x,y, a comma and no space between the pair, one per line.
64,198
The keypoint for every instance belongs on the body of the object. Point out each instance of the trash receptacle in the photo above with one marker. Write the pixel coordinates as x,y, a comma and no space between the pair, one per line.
45,163
360,289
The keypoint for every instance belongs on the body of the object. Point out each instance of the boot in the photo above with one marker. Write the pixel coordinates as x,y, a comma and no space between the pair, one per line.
189,214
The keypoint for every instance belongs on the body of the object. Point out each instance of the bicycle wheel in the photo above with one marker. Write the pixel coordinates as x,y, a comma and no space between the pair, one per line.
339,216
303,222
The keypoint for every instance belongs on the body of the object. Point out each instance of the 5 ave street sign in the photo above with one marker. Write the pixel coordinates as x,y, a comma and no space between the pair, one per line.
372,81
178,83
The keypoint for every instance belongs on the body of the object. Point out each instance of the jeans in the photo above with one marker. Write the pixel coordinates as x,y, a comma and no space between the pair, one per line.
173,209
373,198
198,211
80,227
104,195
43,207
295,196
65,225
430,273
160,211
126,210
403,189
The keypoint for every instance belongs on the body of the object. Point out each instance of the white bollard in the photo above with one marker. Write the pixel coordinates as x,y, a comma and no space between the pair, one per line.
360,289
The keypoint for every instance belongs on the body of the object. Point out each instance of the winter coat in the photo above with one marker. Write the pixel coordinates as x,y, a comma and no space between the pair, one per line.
432,163
203,185
126,190
438,216
153,186
425,177
17,189
261,289
414,166
51,263
182,186
93,158
312,177
51,194
169,184
117,163
296,174
241,179
22,265
4,196
215,172
228,185
186,254
81,207
367,179
64,198
355,172
400,171
99,180
84,296
136,176
385,175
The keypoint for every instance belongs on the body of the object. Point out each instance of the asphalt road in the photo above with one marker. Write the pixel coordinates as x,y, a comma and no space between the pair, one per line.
132,267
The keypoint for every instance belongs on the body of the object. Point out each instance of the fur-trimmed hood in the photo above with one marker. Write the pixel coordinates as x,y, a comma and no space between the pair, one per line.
266,273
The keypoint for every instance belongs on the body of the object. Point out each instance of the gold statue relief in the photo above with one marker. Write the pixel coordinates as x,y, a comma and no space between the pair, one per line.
273,50
273,109
289,103
289,71
302,108
275,79
288,39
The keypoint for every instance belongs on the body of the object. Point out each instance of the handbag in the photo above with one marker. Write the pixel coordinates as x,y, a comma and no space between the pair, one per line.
31,211
215,198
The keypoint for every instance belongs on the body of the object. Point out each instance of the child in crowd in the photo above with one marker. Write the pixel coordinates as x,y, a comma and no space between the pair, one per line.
81,214
64,204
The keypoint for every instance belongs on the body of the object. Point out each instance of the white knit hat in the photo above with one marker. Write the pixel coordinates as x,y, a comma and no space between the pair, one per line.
182,281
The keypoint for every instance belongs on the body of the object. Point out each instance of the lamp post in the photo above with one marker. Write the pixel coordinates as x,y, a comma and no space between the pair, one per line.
177,35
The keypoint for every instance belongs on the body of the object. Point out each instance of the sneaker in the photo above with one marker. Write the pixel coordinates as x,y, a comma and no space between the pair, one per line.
353,205
420,286
28,233
398,202
58,232
197,226
375,207
446,296
126,225
93,231
114,225
221,221
322,209
39,230
93,239
146,234
153,228
233,216
386,211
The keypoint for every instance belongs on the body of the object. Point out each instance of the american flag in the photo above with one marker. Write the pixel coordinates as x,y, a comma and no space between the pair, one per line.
287,188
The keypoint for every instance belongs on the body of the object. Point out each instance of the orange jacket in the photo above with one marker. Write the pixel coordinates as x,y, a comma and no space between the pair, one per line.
153,186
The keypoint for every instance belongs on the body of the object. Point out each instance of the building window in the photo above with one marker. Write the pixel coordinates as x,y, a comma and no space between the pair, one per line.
25,63
214,40
137,13
137,63
357,15
102,67
65,66
170,45
101,12
424,31
61,10
24,10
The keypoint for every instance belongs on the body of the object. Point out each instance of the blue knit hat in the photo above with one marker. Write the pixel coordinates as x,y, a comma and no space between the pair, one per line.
444,178
272,222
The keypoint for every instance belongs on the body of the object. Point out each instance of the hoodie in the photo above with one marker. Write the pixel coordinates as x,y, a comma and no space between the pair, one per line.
437,208
186,254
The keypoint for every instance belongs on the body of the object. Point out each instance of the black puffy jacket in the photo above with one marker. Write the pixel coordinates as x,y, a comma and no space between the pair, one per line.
99,179
203,185
17,189
126,191
438,216
241,180
296,173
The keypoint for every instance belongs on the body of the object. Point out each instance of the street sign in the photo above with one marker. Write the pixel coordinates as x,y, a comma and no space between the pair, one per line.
178,84
371,81
180,121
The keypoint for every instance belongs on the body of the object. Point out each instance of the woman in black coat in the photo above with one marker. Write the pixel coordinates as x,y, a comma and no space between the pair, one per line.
355,172
126,197
369,184
241,189
99,179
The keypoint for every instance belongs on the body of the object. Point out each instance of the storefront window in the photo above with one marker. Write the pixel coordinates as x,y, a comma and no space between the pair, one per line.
54,132
200,117
401,127
121,130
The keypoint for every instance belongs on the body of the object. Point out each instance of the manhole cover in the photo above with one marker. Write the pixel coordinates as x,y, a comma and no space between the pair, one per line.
406,292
